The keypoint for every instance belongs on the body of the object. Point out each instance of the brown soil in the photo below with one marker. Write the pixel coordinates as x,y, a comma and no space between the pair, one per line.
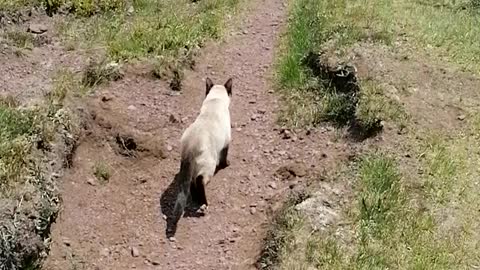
121,224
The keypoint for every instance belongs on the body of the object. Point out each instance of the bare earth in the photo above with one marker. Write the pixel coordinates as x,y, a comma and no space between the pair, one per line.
121,224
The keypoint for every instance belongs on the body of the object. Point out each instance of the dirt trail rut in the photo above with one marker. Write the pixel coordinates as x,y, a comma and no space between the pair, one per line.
120,224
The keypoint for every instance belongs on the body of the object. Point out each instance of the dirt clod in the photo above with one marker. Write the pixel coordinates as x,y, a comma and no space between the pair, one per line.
290,171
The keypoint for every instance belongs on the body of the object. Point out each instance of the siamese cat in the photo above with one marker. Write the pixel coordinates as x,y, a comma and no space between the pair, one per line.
204,146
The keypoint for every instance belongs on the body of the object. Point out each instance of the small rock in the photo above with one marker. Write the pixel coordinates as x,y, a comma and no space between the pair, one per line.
134,251
172,239
286,134
461,117
67,242
91,182
173,119
272,185
37,28
106,98
132,108
164,217
131,10
174,93
154,262
261,111
245,32
169,148
27,196
253,210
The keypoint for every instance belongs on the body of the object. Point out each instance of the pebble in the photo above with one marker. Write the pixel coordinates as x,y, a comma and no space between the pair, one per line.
173,119
253,210
67,242
134,251
272,185
91,182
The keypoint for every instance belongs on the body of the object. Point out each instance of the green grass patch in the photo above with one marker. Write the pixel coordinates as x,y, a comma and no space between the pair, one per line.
450,29
313,24
442,28
167,29
390,228
78,7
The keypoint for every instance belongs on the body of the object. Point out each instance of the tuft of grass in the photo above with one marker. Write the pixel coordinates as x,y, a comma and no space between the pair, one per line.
19,38
100,72
18,132
374,106
102,172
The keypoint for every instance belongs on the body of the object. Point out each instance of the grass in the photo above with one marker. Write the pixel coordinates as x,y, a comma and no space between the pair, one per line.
389,229
374,106
100,72
420,213
77,7
102,172
159,30
19,38
19,130
27,183
445,30
310,100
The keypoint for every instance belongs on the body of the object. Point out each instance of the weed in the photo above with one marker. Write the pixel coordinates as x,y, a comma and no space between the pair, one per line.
20,38
101,172
99,72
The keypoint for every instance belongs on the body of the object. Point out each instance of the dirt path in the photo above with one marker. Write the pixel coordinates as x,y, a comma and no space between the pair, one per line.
120,224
